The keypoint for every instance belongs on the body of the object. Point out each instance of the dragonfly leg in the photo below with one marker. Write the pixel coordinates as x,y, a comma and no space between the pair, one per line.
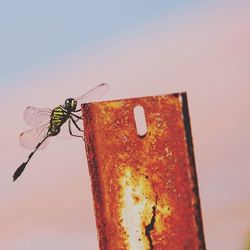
77,116
72,119
70,131
78,110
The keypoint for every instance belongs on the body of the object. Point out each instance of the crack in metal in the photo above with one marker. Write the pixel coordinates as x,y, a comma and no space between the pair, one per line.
150,226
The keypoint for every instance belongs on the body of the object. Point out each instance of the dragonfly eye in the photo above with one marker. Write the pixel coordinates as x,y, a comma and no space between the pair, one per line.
68,103
73,104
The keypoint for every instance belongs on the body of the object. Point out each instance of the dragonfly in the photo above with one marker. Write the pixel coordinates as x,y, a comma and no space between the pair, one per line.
47,123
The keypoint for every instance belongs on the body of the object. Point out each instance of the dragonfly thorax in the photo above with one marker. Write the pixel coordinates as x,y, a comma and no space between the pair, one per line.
58,117
70,104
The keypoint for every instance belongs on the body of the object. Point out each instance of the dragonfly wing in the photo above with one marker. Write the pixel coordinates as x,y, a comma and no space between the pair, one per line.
30,138
93,94
36,116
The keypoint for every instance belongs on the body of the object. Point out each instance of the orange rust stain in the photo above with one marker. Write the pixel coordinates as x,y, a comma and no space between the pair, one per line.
136,198
145,190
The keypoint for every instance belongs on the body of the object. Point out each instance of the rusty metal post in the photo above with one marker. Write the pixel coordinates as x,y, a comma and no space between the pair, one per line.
144,187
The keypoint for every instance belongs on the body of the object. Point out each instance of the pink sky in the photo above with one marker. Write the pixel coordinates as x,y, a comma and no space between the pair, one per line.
207,55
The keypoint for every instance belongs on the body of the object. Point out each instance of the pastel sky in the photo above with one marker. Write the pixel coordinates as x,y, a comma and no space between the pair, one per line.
52,50
34,33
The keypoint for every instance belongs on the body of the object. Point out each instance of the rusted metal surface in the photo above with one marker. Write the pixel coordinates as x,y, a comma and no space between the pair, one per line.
144,188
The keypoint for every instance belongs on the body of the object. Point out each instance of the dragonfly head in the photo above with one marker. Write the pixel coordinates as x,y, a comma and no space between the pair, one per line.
70,104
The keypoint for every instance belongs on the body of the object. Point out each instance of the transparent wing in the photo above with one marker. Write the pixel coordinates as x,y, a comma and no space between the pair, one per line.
30,138
36,116
93,94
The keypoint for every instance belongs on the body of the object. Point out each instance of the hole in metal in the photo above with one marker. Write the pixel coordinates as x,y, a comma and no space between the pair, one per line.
140,121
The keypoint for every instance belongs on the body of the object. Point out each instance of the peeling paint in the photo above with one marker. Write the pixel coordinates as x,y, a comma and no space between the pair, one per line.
150,226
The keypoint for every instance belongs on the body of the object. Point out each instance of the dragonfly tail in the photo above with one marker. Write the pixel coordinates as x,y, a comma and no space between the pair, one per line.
19,171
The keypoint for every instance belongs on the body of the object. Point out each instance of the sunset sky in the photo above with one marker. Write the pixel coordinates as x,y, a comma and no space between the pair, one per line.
51,50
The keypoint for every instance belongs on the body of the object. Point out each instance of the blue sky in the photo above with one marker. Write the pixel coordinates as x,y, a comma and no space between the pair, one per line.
34,33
